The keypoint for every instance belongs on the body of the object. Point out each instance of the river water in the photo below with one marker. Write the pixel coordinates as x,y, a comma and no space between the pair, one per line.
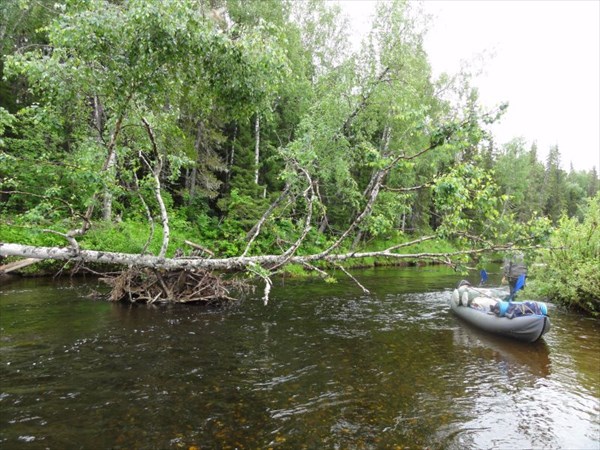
322,366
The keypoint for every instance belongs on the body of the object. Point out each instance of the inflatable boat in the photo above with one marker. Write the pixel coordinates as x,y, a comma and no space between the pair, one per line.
491,311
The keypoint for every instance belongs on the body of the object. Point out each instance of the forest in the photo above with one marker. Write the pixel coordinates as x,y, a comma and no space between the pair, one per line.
250,136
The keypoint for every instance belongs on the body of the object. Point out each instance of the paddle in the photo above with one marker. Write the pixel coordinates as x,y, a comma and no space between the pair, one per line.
484,277
518,286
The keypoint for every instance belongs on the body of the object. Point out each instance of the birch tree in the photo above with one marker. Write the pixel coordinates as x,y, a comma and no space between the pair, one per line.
151,86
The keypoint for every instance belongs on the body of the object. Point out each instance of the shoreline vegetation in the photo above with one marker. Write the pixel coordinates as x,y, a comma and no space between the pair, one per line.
552,277
45,268
183,138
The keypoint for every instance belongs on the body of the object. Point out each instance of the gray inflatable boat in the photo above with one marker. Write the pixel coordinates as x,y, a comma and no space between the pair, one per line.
485,309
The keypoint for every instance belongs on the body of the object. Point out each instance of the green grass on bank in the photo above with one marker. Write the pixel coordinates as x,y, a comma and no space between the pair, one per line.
566,275
224,240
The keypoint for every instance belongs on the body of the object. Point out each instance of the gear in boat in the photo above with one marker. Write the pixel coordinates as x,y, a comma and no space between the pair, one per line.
496,311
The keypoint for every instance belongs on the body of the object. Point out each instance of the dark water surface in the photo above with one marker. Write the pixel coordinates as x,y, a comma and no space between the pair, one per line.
322,366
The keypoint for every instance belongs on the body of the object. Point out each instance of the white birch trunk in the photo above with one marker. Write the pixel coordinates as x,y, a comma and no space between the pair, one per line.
230,264
108,197
256,148
164,216
197,146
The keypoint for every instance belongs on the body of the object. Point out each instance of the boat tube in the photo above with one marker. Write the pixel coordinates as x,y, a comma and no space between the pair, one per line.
486,309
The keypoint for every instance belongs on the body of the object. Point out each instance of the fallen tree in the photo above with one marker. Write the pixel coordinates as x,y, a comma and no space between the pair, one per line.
151,121
232,264
192,279
184,279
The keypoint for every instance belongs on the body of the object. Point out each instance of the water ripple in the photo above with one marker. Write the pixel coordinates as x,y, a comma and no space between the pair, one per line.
322,366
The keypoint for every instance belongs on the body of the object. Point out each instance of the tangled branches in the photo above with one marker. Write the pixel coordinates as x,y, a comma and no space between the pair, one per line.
145,285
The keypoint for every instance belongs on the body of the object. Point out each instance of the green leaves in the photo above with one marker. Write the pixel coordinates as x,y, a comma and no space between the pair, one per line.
369,131
108,65
569,272
7,120
466,199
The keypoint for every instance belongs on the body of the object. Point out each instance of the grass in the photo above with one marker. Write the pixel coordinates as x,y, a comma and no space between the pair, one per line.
130,236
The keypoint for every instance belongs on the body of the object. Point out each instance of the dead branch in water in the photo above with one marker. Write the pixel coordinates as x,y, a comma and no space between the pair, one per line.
146,285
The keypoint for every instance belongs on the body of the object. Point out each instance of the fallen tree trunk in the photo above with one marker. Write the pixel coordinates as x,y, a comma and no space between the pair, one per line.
152,279
16,265
239,263
134,260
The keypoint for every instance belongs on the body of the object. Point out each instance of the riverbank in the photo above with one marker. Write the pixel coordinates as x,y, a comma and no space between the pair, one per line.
31,267
133,238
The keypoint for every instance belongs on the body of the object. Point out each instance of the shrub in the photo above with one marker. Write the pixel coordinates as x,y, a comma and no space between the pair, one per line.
569,272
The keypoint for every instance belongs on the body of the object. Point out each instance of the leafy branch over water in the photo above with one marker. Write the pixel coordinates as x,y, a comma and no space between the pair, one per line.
253,129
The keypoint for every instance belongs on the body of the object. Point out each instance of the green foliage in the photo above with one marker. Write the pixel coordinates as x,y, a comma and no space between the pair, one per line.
569,272
7,120
533,189
467,200
28,235
38,159
81,76
160,60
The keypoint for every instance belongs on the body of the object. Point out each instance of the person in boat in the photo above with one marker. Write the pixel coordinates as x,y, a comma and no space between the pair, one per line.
513,268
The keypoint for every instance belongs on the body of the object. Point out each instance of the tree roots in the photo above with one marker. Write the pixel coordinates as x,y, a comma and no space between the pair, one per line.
145,285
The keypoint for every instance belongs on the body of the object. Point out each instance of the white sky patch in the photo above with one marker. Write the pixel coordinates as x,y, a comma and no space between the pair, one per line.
542,57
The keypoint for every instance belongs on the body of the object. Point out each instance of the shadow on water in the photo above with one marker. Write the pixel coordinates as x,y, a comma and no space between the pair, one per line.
322,366
519,357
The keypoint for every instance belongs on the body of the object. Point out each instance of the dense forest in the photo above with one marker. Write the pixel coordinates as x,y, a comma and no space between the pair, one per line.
224,129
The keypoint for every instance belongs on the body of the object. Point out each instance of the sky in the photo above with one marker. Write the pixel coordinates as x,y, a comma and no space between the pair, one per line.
540,56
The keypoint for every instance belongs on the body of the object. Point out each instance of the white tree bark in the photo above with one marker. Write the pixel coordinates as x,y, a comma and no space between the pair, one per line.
197,147
110,167
228,264
107,196
156,170
256,148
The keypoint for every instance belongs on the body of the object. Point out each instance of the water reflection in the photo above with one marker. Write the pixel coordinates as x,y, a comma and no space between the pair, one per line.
323,366
512,356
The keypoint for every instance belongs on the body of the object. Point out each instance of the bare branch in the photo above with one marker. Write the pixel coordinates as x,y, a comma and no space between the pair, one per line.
307,221
365,99
72,241
268,284
445,257
316,269
408,189
364,289
253,233
408,244
376,181
199,247
148,213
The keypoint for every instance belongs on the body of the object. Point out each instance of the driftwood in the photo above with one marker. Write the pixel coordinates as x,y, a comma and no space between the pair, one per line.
235,264
176,286
17,265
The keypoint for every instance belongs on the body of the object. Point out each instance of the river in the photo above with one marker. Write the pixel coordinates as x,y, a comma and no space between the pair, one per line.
322,366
